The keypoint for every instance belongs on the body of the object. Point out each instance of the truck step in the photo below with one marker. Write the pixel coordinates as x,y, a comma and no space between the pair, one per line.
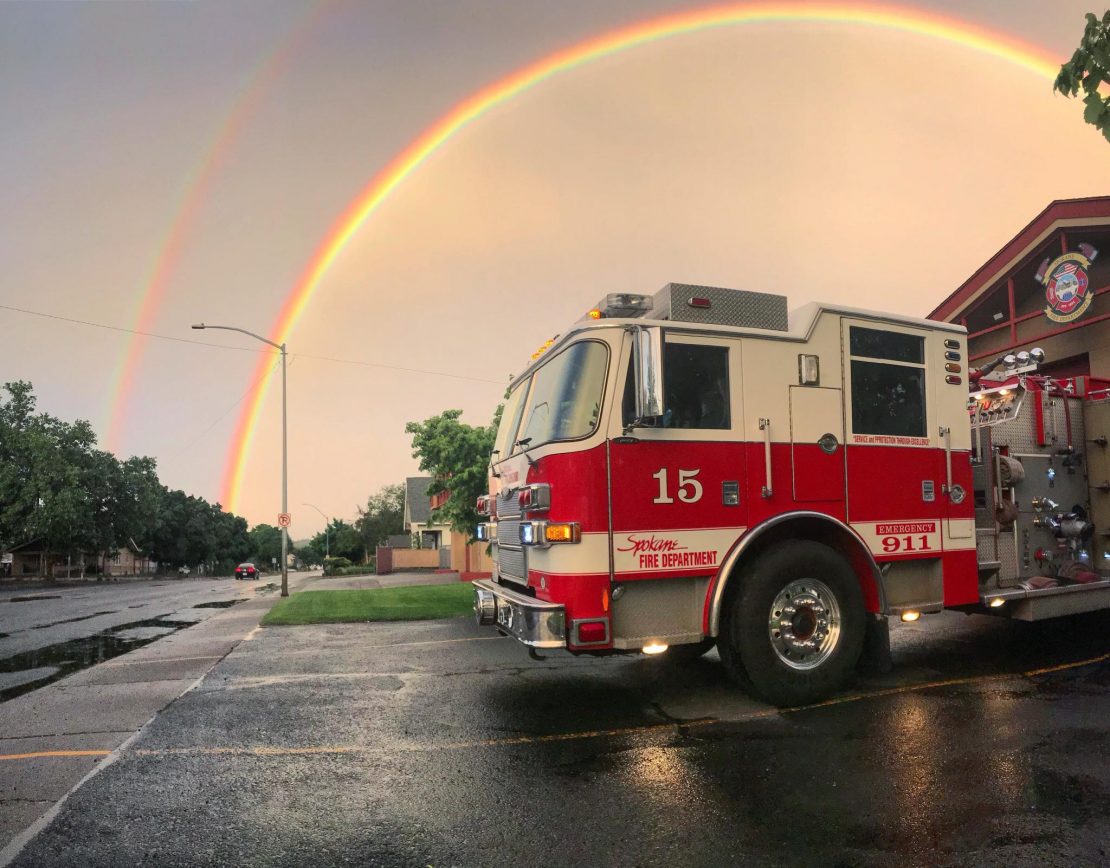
1035,605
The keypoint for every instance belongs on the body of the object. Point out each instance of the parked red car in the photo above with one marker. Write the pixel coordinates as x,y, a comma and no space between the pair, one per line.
246,571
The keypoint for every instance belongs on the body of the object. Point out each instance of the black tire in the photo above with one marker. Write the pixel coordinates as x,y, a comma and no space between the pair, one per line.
683,654
757,658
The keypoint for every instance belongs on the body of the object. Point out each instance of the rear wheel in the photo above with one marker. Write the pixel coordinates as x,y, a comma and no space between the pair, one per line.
795,627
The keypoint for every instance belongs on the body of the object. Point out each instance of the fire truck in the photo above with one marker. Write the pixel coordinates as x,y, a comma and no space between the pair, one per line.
699,468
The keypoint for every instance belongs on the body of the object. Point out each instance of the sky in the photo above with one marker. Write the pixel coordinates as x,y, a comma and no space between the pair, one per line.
822,161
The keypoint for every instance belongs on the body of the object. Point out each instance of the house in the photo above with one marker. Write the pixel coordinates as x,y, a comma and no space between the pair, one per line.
129,561
418,514
26,559
31,559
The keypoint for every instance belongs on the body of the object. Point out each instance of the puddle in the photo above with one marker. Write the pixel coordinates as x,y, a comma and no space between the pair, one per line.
267,588
32,597
218,604
65,658
73,620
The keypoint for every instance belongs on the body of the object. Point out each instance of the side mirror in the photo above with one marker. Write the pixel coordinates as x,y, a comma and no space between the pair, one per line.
647,362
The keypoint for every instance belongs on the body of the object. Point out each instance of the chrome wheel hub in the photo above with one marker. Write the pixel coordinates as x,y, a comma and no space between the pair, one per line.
804,624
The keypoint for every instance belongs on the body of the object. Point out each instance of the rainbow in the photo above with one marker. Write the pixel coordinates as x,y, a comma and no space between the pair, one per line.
882,17
195,193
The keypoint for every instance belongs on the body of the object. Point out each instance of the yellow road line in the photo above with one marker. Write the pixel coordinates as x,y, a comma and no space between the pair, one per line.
761,714
52,753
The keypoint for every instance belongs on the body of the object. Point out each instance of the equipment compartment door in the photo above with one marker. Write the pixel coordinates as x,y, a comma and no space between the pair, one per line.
817,443
895,454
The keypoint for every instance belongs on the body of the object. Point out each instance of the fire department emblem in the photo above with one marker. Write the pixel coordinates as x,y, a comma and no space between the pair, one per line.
1066,284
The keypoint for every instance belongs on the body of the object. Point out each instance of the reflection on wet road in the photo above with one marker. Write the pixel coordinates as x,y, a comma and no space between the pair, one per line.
406,744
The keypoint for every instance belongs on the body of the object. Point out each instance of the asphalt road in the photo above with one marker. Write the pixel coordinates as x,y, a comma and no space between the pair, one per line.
34,616
436,744
82,668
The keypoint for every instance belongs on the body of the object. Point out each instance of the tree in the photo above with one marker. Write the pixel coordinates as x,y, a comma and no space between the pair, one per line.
384,515
58,489
266,544
1089,70
457,455
346,541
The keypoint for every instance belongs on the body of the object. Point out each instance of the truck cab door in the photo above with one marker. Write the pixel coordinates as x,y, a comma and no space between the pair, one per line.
676,484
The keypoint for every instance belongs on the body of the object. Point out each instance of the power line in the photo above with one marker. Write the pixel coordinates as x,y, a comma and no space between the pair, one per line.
100,325
358,362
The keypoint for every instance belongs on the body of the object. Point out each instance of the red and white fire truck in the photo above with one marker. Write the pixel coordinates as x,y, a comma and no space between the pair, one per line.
699,468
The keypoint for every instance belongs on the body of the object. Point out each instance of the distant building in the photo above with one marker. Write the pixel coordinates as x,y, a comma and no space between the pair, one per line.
418,514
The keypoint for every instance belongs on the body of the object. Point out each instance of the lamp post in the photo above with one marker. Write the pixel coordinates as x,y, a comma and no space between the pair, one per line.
284,450
327,521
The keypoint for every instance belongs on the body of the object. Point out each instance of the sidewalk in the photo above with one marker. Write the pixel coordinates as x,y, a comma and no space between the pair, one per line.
53,737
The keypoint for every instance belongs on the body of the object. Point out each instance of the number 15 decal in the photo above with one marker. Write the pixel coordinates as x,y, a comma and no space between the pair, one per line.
689,489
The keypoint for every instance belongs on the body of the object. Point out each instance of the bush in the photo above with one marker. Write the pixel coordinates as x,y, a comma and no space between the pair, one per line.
364,570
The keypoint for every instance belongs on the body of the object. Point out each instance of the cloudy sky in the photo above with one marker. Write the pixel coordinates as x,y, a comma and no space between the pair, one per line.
823,161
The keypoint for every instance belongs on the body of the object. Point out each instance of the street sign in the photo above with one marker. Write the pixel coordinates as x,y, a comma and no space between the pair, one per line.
284,519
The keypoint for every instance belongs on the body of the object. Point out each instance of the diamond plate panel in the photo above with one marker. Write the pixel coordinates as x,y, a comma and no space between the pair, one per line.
659,607
1007,555
733,307
1020,434
985,548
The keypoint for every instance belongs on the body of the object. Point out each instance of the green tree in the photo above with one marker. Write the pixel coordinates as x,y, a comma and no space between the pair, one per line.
346,541
266,544
1088,70
384,515
457,455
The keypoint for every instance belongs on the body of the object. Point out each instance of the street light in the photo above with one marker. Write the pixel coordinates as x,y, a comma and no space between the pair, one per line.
284,451
327,521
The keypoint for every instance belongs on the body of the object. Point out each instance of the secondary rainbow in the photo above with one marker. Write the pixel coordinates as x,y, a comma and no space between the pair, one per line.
883,17
194,194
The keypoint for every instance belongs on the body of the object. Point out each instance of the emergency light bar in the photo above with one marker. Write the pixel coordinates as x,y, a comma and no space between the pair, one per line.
620,304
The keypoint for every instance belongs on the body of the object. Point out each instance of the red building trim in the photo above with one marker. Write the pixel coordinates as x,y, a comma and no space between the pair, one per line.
1062,209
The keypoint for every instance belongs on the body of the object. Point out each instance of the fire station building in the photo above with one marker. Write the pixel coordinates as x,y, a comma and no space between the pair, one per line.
1049,287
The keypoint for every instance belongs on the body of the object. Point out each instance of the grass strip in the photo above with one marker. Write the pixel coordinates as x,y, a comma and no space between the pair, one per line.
413,603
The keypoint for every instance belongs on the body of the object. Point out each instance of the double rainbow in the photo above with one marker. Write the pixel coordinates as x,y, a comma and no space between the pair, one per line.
881,17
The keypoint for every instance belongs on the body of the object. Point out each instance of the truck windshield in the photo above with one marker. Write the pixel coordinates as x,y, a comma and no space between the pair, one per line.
510,419
565,399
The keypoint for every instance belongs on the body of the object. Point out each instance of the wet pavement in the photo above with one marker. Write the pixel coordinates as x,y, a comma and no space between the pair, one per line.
434,743
83,668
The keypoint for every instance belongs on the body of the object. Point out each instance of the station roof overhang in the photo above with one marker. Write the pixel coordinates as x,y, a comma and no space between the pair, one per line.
1059,215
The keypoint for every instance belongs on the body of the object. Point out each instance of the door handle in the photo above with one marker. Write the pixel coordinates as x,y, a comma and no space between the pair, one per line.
946,433
765,427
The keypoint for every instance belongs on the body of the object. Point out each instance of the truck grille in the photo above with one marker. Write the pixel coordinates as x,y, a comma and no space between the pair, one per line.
512,560
511,563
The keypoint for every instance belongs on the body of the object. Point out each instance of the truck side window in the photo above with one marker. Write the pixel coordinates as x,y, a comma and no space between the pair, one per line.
695,388
888,396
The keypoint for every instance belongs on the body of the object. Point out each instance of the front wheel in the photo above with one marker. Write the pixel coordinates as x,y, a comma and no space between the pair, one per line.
795,629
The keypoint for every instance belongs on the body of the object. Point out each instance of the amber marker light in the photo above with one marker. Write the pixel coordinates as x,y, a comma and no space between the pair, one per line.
563,532
594,314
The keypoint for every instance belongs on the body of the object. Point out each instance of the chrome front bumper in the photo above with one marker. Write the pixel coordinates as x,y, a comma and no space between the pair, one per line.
526,619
